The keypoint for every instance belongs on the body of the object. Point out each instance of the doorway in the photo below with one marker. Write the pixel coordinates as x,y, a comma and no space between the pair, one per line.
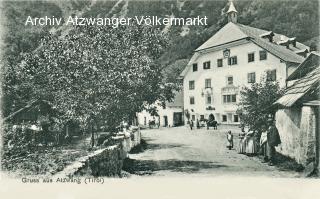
177,119
165,119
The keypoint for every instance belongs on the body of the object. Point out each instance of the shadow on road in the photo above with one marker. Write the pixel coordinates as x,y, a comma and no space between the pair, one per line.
145,146
147,167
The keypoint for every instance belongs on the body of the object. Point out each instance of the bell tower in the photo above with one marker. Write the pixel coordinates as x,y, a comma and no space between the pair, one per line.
232,12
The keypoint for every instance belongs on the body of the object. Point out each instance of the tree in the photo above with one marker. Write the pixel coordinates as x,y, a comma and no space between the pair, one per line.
255,102
99,72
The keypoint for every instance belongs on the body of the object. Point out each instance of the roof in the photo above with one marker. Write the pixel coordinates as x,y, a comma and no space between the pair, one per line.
231,8
309,64
29,105
235,31
312,103
300,88
177,100
222,36
280,51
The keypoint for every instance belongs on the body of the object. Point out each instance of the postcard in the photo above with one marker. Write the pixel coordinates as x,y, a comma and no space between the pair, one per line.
160,99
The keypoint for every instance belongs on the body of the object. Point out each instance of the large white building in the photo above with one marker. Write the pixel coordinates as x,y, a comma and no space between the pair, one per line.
236,56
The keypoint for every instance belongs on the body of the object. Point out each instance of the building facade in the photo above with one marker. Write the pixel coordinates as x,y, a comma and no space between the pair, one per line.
170,115
234,57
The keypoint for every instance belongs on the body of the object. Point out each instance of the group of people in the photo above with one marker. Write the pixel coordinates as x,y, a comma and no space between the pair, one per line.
201,123
252,142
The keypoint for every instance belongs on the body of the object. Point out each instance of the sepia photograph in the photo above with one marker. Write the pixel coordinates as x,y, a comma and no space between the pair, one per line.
96,92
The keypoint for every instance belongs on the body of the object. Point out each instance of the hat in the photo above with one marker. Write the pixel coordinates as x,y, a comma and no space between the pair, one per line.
270,118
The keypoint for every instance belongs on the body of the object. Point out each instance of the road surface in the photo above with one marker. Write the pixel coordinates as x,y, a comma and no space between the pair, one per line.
180,152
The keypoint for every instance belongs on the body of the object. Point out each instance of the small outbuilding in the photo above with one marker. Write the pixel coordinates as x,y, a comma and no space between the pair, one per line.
297,118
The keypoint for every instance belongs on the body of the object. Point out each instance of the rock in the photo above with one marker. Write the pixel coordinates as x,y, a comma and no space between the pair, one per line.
309,169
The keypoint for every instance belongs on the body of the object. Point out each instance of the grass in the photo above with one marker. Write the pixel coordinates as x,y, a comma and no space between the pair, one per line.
286,163
46,160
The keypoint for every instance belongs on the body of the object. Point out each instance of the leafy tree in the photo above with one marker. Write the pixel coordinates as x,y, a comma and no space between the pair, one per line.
99,72
19,39
255,102
172,71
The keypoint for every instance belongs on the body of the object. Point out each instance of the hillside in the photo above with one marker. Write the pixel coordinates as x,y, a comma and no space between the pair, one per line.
292,18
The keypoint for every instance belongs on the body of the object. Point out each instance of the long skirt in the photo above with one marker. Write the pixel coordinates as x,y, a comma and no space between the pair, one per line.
251,148
242,146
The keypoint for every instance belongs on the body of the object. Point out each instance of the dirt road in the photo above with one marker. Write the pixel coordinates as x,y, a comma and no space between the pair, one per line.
181,152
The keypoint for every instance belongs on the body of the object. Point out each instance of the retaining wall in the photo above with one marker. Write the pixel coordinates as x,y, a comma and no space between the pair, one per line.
107,161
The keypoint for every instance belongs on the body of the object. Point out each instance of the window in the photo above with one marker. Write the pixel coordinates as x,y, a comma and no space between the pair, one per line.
207,83
235,118
195,67
191,100
233,98
201,117
206,65
191,85
209,99
230,80
229,98
263,55
271,75
193,117
251,77
220,62
224,118
232,60
251,57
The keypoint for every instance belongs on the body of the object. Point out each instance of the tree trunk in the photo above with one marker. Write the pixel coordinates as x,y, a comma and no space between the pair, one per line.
92,133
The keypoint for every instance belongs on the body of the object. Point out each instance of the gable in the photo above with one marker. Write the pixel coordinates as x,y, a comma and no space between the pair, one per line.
223,36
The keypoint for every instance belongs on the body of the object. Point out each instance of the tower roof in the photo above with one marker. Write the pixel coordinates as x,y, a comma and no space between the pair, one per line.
231,8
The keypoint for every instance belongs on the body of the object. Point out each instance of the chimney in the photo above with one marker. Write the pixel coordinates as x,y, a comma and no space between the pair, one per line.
302,53
293,41
284,41
268,35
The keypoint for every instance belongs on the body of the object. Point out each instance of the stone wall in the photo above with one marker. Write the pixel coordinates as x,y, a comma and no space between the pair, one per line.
106,161
296,127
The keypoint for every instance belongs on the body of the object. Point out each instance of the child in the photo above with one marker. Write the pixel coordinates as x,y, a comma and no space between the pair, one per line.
230,140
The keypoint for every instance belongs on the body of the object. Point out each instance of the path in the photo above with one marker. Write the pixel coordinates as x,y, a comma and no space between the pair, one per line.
179,151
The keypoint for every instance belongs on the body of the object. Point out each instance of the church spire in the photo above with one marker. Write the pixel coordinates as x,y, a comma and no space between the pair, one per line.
232,13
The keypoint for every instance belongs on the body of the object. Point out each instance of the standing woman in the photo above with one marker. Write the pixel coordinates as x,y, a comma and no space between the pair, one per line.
251,148
242,146
264,143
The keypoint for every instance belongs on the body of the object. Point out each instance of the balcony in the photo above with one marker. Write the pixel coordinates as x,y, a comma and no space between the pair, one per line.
230,89
206,91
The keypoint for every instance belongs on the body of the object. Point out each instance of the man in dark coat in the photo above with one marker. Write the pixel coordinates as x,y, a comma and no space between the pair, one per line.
273,139
191,124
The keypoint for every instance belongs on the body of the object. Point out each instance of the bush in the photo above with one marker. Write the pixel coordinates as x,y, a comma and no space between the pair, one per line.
256,103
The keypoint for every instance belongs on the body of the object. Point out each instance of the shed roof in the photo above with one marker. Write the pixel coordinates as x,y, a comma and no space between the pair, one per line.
309,64
300,88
